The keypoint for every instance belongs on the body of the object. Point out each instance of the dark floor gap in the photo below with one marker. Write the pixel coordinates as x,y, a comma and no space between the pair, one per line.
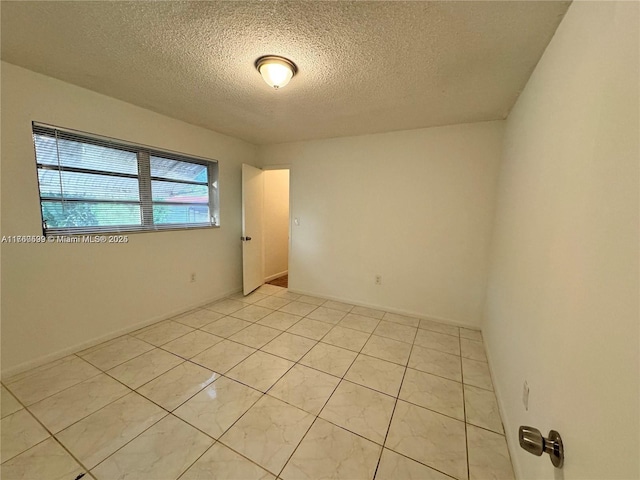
280,281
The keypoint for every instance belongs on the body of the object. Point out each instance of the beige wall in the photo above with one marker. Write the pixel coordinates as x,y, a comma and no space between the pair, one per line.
562,302
57,297
413,206
276,223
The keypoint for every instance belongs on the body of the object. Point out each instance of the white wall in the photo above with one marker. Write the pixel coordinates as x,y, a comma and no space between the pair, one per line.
413,206
562,302
57,297
276,223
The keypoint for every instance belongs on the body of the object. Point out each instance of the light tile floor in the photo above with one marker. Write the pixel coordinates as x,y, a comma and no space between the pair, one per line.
272,385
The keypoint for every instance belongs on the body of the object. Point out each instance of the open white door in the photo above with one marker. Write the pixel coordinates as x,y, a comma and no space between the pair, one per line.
252,225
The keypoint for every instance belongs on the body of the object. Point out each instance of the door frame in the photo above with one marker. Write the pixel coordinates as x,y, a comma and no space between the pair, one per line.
286,166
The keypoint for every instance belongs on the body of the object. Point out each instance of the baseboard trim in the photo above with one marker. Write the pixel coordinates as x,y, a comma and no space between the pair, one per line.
51,357
277,275
409,313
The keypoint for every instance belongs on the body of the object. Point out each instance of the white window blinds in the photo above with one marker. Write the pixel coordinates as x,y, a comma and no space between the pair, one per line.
92,184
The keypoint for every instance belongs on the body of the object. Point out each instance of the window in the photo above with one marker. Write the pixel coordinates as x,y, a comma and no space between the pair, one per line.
92,184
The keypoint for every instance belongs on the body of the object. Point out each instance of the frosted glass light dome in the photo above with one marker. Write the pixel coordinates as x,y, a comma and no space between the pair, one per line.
276,71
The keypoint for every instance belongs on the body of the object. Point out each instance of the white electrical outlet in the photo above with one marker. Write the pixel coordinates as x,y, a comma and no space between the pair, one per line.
378,279
525,395
193,277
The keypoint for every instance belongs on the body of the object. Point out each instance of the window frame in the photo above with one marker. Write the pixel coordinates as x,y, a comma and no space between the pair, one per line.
143,176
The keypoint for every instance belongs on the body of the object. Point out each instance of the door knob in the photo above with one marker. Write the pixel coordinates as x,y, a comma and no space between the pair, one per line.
245,239
533,442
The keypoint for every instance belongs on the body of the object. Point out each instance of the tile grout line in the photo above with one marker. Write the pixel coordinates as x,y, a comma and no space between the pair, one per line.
435,411
125,361
168,412
51,435
404,374
134,438
218,440
318,416
88,415
40,369
215,441
152,379
464,410
410,368
60,391
263,394
430,467
342,378
323,406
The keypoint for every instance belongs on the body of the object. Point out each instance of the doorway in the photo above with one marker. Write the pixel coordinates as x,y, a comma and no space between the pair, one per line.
276,227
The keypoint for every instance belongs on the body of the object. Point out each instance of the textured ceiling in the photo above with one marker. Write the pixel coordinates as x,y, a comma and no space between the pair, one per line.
364,67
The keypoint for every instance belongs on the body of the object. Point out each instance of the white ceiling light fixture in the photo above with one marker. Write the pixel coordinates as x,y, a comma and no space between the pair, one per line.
276,71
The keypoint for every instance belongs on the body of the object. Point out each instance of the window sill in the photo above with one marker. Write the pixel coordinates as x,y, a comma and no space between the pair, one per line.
124,231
